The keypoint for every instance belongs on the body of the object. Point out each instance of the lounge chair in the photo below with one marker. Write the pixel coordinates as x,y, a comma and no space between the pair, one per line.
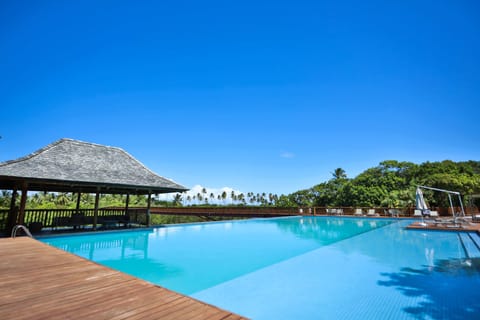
394,212
425,213
372,213
447,223
358,212
334,211
417,213
476,217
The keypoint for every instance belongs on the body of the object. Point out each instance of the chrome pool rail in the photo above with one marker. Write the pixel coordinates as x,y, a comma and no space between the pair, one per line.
20,227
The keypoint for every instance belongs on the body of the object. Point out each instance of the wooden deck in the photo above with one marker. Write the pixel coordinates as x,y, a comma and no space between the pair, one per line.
41,282
472,227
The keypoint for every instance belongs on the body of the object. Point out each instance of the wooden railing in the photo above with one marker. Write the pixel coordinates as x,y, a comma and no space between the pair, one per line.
3,219
48,218
277,212
263,211
138,215
226,211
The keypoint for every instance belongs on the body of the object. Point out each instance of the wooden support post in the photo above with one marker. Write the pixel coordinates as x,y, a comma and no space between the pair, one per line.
95,211
126,204
78,202
12,214
148,208
23,203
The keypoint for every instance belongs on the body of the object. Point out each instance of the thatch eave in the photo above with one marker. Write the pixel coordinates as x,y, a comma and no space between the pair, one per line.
33,184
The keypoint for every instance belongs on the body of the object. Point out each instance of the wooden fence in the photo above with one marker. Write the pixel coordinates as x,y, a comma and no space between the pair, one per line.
138,215
48,218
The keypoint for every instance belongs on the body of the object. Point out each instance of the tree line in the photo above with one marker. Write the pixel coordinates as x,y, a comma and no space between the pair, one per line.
390,184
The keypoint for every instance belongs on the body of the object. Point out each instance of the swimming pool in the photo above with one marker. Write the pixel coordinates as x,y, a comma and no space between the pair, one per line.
301,267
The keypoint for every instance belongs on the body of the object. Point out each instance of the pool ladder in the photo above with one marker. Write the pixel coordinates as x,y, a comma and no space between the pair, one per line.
20,227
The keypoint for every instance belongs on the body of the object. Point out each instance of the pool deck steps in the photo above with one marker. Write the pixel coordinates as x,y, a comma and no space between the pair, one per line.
42,282
476,238
471,248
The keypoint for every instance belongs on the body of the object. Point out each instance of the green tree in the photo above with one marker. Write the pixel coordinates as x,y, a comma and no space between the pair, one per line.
224,196
177,200
339,174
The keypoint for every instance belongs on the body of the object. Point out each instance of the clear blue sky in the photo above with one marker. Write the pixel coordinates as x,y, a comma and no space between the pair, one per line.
261,96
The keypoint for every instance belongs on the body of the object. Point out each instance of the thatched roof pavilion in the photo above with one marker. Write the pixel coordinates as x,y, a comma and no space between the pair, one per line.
69,165
74,166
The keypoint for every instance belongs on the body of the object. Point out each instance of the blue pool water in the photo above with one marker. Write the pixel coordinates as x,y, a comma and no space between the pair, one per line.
302,267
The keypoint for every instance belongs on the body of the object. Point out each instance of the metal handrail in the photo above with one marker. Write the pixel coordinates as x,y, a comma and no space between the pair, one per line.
20,226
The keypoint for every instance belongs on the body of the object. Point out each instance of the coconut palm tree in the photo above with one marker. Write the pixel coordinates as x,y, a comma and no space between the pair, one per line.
199,197
224,196
177,200
339,173
62,199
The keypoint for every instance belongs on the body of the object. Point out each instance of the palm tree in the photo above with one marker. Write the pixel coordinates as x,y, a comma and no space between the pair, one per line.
271,198
177,200
36,199
62,199
224,196
339,173
241,198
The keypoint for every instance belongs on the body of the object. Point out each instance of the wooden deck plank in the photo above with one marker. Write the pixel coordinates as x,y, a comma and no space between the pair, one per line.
42,282
140,312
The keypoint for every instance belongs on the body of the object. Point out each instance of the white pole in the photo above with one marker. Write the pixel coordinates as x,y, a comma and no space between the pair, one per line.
442,190
461,205
451,206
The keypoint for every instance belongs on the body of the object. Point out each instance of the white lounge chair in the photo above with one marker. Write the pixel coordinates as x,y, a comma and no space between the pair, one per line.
433,213
394,212
358,212
417,213
428,213
372,213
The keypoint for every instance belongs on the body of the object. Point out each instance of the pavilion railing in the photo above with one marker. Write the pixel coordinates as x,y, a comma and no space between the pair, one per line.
3,219
49,218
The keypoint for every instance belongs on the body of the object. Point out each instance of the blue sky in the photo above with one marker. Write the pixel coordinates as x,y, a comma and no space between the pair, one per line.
260,96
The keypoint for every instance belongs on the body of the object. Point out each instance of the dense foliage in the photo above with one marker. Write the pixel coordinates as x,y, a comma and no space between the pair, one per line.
390,184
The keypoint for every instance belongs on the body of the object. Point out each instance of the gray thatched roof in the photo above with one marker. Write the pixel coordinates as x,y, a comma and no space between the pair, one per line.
72,165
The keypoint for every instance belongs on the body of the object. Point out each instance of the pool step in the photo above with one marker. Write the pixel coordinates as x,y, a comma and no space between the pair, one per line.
476,238
470,245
